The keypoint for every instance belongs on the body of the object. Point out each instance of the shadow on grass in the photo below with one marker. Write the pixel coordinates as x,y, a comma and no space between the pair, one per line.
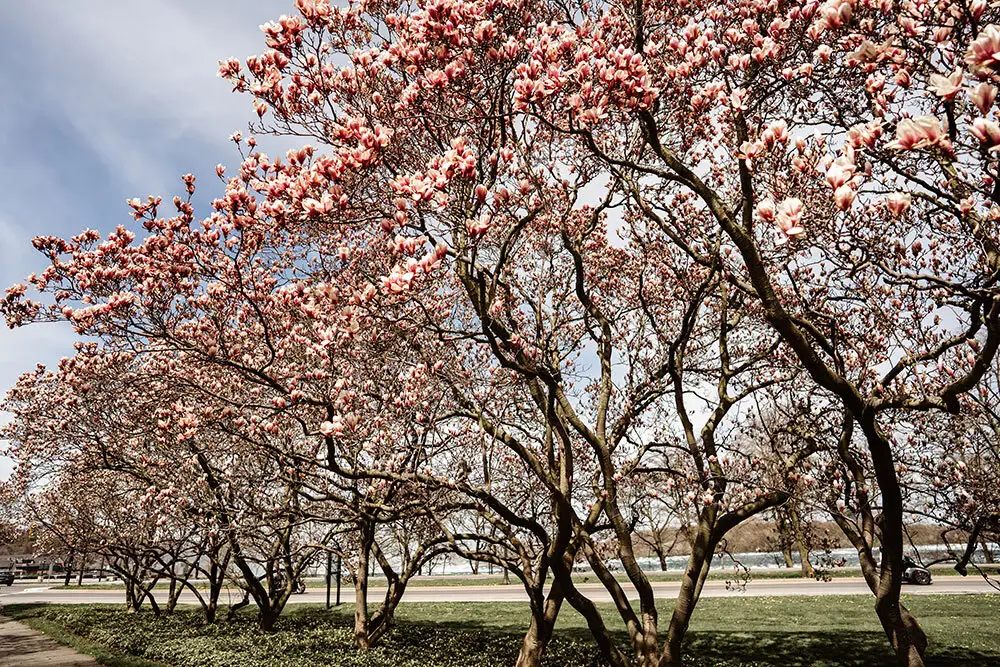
819,649
315,636
760,648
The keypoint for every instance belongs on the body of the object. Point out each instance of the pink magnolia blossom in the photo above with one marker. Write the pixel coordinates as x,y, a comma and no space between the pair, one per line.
987,131
836,13
766,210
335,427
946,87
864,134
750,150
898,203
844,196
789,215
780,130
398,281
983,96
840,172
477,227
985,51
917,133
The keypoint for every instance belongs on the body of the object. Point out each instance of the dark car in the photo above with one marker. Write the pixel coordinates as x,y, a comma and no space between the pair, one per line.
7,578
914,573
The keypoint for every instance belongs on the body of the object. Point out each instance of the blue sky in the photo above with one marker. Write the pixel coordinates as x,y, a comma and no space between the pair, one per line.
105,100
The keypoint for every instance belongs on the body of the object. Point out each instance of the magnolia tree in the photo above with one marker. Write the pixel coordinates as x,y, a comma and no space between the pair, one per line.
103,419
85,491
954,477
237,391
559,224
831,159
696,116
11,526
258,321
77,516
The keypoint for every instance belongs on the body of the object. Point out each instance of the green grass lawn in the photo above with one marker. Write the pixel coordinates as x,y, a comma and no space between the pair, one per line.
830,631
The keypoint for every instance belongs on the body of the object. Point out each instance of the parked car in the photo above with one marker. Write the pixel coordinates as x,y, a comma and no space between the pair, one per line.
7,578
914,573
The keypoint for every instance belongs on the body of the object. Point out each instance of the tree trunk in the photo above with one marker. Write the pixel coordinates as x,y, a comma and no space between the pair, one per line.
661,554
532,645
69,571
784,541
215,580
699,564
131,603
540,631
987,551
172,596
146,593
235,608
211,609
267,618
609,652
361,639
361,618
800,540
900,627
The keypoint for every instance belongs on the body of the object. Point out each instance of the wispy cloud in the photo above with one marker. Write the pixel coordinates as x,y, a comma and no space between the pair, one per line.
133,81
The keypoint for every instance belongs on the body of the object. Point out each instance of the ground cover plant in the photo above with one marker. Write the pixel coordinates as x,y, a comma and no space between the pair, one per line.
834,631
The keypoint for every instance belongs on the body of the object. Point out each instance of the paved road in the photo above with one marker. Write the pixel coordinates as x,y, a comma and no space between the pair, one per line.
513,592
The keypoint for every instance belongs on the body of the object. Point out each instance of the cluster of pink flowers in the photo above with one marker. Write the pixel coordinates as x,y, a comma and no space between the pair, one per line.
787,215
840,175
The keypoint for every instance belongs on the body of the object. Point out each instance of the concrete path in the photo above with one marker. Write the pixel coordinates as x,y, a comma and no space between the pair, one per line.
20,646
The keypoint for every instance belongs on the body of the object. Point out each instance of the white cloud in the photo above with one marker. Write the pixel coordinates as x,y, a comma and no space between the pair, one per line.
137,81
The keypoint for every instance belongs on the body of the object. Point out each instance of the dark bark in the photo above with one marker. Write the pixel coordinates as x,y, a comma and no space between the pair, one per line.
800,541
216,578
784,537
267,618
988,556
83,568
69,570
173,594
539,632
699,564
907,638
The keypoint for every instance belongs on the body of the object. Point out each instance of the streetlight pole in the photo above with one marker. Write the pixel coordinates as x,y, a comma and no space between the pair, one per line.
338,579
329,574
